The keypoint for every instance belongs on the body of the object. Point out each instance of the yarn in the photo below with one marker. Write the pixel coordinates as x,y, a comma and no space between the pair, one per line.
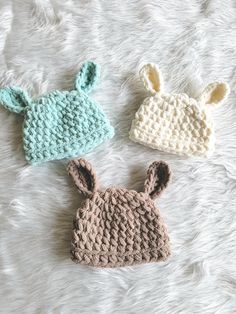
61,124
176,123
118,227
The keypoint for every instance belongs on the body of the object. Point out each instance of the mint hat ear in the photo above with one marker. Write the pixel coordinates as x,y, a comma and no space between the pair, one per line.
14,99
88,77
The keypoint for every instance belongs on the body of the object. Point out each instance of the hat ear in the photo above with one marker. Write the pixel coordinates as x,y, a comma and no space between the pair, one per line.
83,176
214,93
88,77
151,78
158,176
14,99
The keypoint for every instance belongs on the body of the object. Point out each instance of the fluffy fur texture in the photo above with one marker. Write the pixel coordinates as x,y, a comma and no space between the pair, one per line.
42,44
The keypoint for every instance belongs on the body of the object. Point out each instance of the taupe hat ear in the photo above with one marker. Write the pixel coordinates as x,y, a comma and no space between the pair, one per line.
158,176
83,175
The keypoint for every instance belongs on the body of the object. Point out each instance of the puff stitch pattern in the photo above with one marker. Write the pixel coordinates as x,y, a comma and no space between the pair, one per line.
61,124
176,123
118,227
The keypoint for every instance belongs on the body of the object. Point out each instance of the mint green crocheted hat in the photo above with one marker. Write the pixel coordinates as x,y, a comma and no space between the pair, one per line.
61,124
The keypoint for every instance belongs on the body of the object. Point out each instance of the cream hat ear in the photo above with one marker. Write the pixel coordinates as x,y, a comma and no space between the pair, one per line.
151,78
214,93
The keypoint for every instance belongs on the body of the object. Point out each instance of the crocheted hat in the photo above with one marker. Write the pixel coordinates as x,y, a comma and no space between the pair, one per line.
61,124
176,123
118,227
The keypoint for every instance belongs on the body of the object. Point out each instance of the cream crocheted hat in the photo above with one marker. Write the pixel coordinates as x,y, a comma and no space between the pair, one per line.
118,227
176,123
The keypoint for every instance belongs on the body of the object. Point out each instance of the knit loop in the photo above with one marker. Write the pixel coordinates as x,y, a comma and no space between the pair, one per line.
158,176
88,77
83,175
14,99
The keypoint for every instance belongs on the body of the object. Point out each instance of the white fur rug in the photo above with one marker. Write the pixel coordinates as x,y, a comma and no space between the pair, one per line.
42,45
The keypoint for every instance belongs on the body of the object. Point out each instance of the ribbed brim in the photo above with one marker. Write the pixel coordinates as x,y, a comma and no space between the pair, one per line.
109,260
74,148
182,148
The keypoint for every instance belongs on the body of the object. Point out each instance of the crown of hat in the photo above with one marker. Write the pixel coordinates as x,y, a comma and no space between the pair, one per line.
118,227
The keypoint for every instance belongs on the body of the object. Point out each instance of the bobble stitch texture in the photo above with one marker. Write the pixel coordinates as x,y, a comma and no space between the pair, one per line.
176,123
118,227
62,124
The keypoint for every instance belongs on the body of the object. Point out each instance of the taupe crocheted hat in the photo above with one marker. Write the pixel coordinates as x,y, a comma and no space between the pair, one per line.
118,227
